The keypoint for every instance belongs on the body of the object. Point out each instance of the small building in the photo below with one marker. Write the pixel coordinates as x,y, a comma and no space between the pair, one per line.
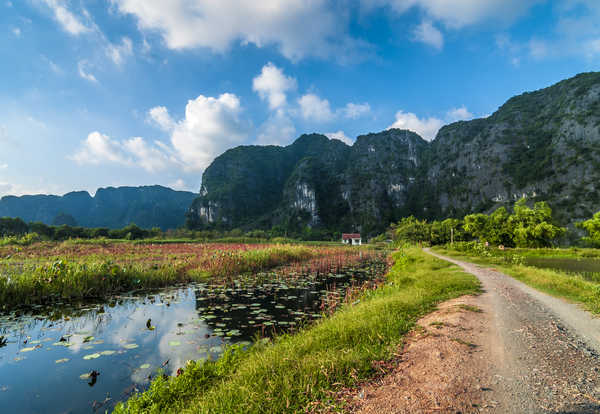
352,238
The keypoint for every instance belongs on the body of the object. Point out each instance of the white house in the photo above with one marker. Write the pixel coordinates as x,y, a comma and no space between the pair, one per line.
352,238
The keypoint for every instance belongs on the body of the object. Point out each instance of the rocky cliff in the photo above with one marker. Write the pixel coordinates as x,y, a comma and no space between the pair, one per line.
147,206
544,145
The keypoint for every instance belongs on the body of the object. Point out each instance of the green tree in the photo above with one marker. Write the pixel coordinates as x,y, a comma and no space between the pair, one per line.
498,230
475,225
533,227
413,230
592,226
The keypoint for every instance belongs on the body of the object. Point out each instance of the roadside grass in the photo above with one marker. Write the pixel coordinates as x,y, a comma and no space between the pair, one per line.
299,372
565,285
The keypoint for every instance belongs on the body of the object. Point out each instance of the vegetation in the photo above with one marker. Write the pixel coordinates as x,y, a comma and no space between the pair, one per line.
47,272
297,372
525,227
592,227
576,287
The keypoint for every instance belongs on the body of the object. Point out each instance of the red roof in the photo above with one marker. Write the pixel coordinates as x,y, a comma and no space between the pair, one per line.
348,236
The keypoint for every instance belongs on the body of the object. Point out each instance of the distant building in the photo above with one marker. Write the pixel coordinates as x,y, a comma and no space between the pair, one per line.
352,238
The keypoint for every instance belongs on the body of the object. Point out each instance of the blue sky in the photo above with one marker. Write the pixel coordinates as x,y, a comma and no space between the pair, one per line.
134,92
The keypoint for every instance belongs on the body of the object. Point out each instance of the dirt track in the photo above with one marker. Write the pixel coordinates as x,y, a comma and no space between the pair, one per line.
526,352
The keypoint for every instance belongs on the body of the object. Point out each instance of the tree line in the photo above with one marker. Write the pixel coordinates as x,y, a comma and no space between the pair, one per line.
526,226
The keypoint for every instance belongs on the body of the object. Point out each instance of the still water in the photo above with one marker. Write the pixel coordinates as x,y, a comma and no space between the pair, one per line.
573,265
46,363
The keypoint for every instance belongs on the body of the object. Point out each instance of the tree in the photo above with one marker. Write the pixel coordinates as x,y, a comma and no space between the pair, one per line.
413,230
533,227
592,226
498,230
475,225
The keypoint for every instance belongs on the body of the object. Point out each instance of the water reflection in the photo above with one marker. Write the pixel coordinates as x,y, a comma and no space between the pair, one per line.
77,358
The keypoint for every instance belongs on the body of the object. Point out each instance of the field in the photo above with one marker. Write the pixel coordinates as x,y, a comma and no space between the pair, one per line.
572,274
50,271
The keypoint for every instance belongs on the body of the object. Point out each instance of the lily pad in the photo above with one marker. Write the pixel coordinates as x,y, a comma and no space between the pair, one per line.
28,349
145,366
174,343
108,352
130,346
85,376
92,356
62,361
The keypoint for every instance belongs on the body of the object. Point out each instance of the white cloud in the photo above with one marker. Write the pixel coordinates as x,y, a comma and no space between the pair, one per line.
272,85
159,115
81,67
429,127
118,52
341,136
179,185
355,111
3,166
458,114
99,148
17,32
426,127
315,109
211,125
593,48
459,13
149,158
427,33
277,130
67,20
217,25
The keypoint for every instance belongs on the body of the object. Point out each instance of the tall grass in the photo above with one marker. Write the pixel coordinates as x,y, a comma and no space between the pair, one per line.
32,280
297,371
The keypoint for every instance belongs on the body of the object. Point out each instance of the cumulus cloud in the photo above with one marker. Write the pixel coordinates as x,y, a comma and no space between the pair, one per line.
427,33
272,85
458,114
98,148
216,25
159,115
83,71
355,111
425,127
211,125
17,32
341,136
3,166
313,108
429,127
118,52
65,18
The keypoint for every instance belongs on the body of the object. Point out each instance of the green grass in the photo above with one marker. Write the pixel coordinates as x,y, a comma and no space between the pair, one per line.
93,277
295,371
565,285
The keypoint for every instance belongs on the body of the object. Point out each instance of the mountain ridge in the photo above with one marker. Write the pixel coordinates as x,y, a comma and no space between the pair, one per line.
543,144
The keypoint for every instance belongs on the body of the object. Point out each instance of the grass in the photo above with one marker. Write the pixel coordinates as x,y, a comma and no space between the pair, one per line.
64,271
298,372
565,285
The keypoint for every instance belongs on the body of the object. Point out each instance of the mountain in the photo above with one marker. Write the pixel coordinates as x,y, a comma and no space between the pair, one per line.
544,145
147,206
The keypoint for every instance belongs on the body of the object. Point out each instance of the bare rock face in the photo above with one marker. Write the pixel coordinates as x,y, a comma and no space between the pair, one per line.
543,144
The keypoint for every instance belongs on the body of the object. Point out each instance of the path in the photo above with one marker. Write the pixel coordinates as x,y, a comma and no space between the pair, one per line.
526,352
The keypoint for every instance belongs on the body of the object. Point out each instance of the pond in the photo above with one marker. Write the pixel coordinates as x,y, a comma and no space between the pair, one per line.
583,266
46,362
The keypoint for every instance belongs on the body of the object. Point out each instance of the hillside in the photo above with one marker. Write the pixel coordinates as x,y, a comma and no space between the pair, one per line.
147,206
543,144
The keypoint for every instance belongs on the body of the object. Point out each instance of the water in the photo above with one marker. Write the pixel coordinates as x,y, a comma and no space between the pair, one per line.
581,266
49,351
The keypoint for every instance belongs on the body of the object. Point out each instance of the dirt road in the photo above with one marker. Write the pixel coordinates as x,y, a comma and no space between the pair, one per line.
525,352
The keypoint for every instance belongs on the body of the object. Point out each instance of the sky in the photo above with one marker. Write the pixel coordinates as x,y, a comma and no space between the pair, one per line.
97,93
